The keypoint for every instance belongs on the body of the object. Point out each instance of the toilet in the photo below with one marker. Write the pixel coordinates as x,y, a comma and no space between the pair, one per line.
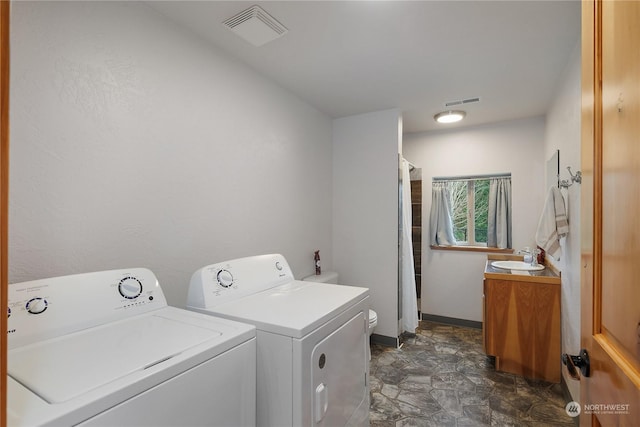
332,277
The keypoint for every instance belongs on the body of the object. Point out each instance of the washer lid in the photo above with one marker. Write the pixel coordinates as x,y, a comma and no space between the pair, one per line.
293,309
64,368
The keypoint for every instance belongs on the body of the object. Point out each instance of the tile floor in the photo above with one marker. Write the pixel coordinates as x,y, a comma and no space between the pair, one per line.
441,377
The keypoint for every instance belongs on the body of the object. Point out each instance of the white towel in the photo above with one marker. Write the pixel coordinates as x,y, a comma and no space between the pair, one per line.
553,224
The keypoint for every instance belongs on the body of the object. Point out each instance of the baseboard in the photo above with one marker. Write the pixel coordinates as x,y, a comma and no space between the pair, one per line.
385,340
452,321
395,341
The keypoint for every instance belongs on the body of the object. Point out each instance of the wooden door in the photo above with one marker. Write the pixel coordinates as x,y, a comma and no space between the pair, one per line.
610,310
4,199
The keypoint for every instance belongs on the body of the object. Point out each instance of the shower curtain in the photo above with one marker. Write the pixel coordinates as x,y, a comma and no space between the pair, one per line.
409,298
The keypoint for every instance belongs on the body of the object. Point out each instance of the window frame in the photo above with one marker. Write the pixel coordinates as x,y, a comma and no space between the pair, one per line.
471,244
471,215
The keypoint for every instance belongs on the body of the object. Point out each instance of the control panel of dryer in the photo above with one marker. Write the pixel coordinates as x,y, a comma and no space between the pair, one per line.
46,308
227,281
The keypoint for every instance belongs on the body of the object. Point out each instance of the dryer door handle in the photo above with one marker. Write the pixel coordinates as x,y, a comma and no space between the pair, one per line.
322,402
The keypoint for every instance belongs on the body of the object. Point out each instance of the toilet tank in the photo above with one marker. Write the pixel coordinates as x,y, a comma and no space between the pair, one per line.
326,277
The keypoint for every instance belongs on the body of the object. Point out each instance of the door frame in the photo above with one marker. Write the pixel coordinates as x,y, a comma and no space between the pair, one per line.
4,198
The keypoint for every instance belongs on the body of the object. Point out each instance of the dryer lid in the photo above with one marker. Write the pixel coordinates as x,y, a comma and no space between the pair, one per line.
293,309
64,368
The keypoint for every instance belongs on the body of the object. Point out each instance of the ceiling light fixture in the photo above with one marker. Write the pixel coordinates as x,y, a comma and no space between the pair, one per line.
450,116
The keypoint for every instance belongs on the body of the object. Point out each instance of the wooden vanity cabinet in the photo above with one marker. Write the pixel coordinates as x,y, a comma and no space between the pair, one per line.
521,325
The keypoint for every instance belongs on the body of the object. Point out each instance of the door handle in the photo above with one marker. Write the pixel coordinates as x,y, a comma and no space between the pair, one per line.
580,362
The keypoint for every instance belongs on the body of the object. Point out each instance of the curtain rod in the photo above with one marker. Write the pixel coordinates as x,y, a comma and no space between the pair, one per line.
411,165
471,177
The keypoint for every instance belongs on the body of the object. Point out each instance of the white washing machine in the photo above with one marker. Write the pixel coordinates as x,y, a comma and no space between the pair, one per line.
104,349
312,339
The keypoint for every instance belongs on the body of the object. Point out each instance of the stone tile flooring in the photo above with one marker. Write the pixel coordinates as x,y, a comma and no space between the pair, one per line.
441,377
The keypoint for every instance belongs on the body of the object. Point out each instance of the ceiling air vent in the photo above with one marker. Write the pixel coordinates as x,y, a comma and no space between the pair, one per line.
461,102
256,26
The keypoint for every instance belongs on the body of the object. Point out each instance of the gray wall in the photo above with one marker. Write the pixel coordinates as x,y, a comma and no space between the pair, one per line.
134,143
563,133
452,280
365,209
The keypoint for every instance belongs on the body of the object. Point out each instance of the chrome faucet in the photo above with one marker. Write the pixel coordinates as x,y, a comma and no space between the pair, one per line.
534,257
527,255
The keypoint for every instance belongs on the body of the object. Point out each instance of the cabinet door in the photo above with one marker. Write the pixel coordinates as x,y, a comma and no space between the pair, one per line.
523,327
484,315
498,297
524,336
547,362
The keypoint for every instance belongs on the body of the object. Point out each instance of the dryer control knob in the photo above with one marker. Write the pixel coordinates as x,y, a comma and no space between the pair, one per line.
225,278
36,305
130,287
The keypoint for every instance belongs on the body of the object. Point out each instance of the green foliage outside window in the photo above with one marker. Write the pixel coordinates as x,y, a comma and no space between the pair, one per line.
459,207
463,209
481,209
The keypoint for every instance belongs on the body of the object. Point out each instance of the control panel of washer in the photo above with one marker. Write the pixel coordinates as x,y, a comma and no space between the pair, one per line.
47,308
227,281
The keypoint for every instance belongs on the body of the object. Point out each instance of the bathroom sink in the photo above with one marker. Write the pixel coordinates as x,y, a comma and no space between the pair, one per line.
516,265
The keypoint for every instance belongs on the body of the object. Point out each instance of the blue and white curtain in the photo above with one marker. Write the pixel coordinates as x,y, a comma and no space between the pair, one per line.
499,217
440,222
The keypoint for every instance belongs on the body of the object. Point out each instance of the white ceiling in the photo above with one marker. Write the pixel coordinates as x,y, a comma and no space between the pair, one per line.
352,57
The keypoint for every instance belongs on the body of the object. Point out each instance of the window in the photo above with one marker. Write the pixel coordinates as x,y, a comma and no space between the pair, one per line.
471,211
470,206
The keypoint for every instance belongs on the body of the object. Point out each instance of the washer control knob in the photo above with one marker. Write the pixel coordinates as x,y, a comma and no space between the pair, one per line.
225,278
130,287
279,266
36,305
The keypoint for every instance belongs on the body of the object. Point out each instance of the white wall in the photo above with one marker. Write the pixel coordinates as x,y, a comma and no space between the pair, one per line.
563,133
134,143
451,280
365,209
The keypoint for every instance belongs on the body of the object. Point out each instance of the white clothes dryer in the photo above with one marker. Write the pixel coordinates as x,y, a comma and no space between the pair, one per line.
104,349
312,339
